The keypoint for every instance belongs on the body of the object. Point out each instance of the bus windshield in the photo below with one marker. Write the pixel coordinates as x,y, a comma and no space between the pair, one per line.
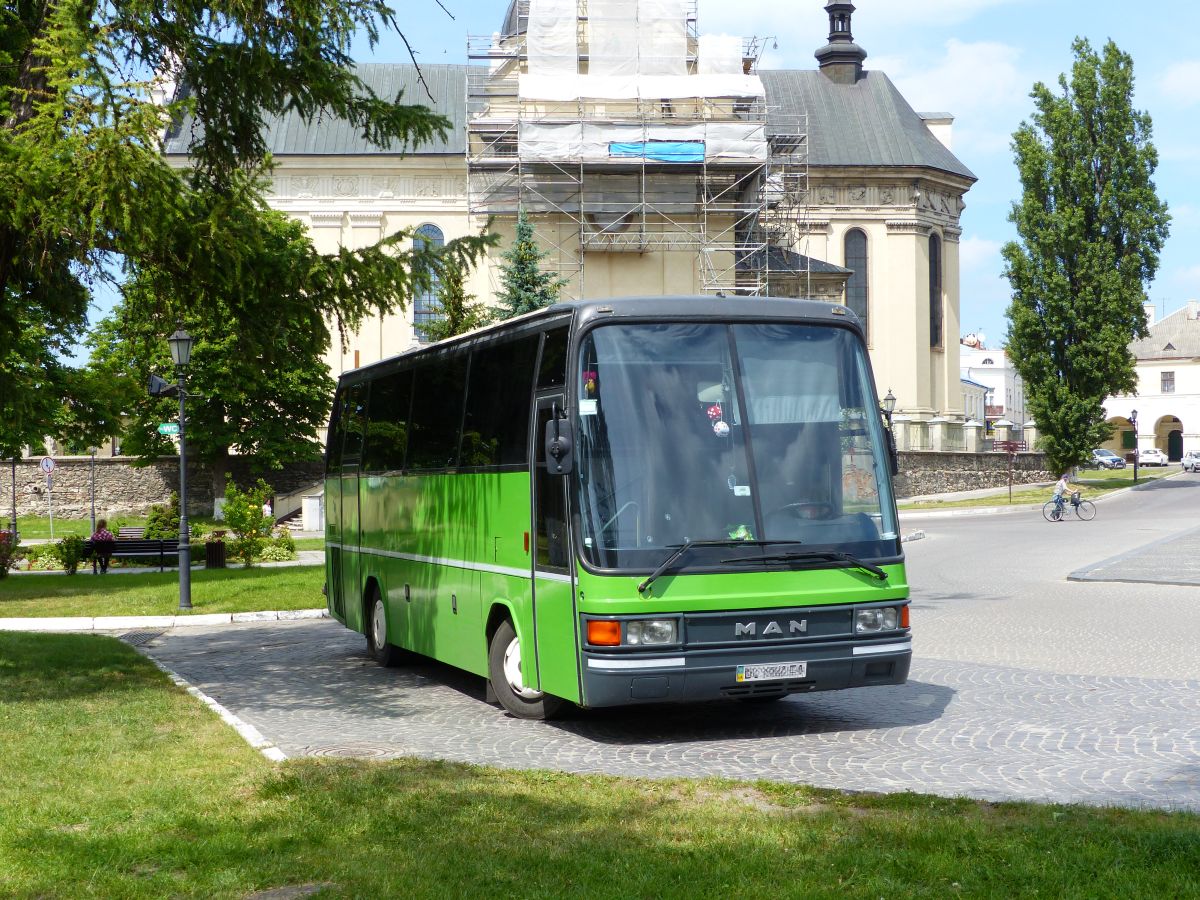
728,432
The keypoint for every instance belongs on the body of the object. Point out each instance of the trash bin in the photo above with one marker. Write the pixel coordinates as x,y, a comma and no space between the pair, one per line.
214,555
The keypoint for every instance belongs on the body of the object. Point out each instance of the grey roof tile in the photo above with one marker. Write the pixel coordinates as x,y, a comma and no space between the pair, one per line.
863,124
1173,337
290,135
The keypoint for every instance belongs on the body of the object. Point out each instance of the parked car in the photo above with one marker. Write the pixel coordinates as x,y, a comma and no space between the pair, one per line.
1152,457
1191,461
1106,459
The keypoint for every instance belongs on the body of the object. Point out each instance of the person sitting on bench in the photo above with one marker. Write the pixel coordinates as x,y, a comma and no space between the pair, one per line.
102,544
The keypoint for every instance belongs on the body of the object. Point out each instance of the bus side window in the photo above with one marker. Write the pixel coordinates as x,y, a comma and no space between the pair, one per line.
552,371
387,429
336,434
437,407
495,428
354,419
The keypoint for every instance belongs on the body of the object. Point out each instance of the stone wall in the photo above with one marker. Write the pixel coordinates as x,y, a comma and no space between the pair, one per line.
123,488
924,472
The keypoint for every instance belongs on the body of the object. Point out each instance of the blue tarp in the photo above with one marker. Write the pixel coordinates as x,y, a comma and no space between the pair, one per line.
659,151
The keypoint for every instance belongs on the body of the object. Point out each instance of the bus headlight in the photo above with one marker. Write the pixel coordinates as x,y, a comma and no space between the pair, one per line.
648,632
869,621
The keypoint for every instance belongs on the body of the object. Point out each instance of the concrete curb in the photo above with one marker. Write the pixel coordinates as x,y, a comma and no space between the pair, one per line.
125,623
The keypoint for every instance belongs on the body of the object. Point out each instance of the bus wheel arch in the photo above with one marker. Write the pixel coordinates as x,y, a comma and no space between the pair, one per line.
504,678
374,611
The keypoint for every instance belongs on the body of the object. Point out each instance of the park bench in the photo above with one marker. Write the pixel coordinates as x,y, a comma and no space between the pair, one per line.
129,548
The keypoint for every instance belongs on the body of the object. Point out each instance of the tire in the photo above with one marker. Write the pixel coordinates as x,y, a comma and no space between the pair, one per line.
1086,510
376,627
504,671
1051,512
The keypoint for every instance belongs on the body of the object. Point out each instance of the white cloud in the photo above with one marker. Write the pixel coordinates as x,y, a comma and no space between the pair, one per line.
976,252
1181,82
1188,276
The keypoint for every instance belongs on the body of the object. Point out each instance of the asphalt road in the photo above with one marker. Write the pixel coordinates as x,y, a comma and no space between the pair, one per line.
1024,685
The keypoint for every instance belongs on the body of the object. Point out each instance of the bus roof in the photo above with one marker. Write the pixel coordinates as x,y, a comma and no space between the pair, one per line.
707,306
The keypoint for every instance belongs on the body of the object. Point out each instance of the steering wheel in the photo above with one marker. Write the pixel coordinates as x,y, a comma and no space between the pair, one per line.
810,509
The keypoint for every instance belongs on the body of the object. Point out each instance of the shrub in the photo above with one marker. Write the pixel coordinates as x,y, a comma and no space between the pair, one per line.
163,522
244,516
69,552
273,552
283,539
8,551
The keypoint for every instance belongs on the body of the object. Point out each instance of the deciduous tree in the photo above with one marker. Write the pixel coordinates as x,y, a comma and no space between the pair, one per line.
1090,228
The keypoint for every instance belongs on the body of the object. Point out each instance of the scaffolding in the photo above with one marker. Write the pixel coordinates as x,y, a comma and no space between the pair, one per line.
626,132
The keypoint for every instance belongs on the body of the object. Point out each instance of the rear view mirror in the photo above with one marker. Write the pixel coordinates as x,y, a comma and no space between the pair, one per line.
560,458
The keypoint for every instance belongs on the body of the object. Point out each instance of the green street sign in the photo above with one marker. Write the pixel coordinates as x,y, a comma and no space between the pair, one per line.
168,428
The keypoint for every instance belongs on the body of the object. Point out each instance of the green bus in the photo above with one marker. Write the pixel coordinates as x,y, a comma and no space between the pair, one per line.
612,502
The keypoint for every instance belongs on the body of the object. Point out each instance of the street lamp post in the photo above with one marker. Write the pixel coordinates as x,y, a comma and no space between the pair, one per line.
1133,422
181,354
888,404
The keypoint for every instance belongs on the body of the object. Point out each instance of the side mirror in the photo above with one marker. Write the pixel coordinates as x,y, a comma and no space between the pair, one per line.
560,459
893,454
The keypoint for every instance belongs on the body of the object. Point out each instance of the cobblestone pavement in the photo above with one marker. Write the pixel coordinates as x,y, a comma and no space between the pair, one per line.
1023,686
955,729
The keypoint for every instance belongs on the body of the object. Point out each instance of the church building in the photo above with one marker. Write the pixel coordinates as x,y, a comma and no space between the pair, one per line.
653,159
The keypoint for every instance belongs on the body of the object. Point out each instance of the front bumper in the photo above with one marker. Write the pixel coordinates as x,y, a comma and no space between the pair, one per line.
611,679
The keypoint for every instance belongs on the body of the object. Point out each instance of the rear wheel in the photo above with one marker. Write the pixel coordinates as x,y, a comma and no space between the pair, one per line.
1086,510
504,671
377,643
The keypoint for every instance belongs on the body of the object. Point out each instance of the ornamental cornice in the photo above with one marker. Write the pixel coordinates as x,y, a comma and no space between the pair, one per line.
326,219
907,226
814,226
951,234
366,219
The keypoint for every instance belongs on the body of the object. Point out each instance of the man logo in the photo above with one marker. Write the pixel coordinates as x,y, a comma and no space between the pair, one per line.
750,629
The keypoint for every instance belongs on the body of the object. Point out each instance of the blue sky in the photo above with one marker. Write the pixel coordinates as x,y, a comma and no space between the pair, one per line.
977,59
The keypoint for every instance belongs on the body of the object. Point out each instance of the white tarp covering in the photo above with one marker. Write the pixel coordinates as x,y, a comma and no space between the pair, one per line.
551,39
611,87
613,37
662,37
594,143
719,54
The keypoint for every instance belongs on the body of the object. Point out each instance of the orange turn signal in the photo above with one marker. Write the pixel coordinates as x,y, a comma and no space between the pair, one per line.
604,634
904,617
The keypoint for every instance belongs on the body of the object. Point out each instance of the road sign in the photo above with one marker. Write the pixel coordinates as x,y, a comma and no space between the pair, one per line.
46,465
168,428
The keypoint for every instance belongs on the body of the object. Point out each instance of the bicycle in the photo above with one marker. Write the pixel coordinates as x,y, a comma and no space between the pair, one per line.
1054,510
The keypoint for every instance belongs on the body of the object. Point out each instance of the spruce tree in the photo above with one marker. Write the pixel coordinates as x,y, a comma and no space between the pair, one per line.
460,312
1091,227
526,286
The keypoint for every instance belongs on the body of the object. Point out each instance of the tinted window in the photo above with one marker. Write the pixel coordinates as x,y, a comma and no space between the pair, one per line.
437,408
935,291
552,371
333,440
496,427
354,423
387,430
858,287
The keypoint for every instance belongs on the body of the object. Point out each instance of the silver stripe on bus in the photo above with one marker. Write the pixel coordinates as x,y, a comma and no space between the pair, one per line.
454,563
635,663
883,648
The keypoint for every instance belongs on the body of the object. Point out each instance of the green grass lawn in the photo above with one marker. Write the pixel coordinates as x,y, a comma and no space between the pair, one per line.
38,527
117,784
157,593
1091,484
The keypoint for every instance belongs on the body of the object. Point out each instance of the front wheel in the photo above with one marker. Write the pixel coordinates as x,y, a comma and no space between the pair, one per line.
1086,510
1051,511
504,671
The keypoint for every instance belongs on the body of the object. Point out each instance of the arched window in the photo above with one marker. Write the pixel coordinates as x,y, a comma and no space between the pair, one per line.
426,307
858,287
935,291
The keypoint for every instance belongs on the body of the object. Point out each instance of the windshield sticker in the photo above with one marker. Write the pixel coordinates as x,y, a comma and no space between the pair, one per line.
741,490
589,407
740,533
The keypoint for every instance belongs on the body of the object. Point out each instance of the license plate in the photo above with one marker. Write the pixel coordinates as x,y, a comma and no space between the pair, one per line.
771,671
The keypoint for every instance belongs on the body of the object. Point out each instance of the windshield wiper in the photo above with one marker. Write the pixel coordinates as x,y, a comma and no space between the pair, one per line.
689,545
816,554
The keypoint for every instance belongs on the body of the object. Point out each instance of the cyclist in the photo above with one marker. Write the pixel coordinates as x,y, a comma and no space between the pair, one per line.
1060,491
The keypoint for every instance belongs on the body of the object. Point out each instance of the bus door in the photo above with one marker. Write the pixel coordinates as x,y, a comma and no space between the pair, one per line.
354,427
554,615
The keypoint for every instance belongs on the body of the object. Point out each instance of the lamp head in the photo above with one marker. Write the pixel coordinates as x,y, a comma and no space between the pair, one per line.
181,347
889,404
